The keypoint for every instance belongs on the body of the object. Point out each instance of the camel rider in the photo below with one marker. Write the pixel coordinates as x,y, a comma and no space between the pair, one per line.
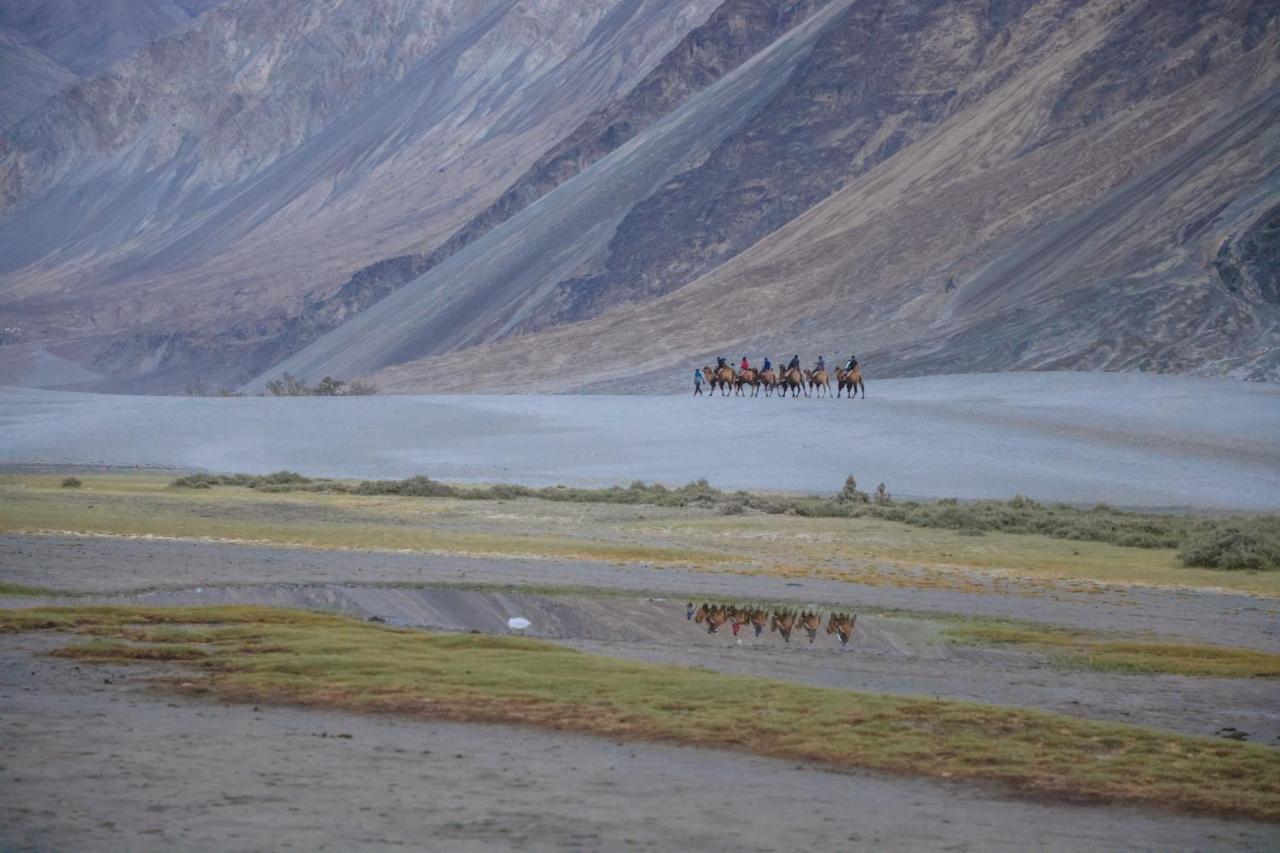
745,366
851,363
795,363
821,364
767,364
721,363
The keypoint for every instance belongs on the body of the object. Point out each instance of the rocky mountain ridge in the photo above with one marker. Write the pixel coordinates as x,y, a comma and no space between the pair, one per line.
1036,193
200,191
552,196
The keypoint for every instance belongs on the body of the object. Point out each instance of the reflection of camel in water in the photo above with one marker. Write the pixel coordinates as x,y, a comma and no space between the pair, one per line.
841,624
851,379
714,616
783,622
722,376
811,621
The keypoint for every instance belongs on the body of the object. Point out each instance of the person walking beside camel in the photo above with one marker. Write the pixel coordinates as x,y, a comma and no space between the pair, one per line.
697,382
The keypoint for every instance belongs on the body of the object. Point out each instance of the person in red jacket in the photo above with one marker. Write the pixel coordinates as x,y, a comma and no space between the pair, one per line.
745,366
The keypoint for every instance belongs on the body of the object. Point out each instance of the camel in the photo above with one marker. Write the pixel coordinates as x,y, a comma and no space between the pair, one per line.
851,379
782,622
751,377
722,376
739,616
769,380
818,380
759,618
811,621
793,380
841,624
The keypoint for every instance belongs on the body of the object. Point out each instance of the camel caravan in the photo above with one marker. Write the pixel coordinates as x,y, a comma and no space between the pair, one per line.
780,622
789,381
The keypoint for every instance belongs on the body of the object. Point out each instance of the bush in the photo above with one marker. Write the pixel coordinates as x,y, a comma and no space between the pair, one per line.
1231,547
72,483
279,481
417,487
289,385
850,493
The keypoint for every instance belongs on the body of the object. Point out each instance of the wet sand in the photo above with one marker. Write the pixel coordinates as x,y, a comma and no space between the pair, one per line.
107,766
1126,439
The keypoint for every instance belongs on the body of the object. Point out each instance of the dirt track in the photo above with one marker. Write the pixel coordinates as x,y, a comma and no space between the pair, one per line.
88,764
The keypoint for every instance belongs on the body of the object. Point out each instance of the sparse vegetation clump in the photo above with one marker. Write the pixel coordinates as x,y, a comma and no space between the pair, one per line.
278,481
289,385
1231,542
71,483
200,388
1088,650
1252,545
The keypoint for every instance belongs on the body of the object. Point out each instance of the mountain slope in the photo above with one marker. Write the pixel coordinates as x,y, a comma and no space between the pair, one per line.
85,36
499,282
1038,184
207,185
29,76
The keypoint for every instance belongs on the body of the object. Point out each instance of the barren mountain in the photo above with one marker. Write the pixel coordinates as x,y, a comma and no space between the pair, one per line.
46,45
549,196
206,187
30,76
943,187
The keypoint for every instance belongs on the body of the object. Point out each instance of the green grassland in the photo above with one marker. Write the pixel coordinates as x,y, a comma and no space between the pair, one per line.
1096,651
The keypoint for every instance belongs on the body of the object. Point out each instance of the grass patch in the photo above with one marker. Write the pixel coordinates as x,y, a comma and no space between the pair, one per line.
311,659
325,527
1091,651
17,589
1229,542
103,651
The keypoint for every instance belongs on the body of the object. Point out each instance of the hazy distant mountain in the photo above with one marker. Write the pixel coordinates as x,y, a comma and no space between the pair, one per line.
176,211
85,36
45,45
29,76
551,195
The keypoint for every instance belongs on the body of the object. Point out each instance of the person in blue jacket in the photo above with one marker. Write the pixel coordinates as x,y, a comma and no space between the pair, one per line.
697,382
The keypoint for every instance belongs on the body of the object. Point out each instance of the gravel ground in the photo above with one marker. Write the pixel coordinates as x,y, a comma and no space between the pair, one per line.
87,764
1127,439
